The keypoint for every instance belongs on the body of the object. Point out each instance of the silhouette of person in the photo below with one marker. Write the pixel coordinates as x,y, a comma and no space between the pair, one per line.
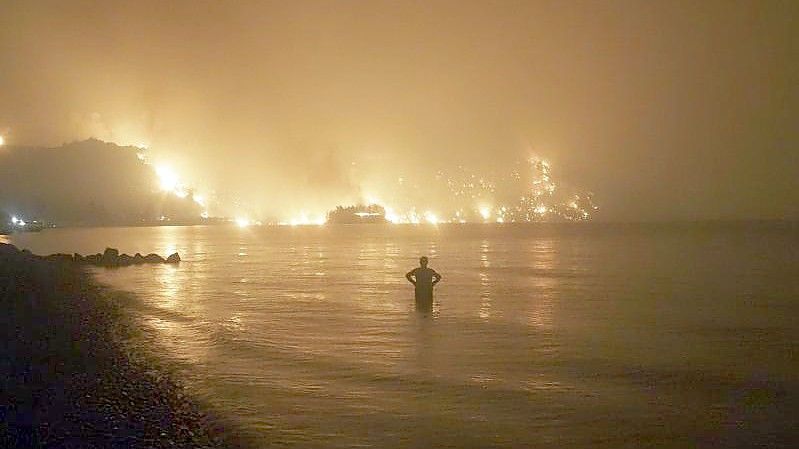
424,279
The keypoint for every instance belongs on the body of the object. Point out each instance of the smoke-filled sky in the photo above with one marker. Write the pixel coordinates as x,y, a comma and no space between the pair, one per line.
665,110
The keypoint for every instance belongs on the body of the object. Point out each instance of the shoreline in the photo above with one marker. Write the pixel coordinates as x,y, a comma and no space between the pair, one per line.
70,379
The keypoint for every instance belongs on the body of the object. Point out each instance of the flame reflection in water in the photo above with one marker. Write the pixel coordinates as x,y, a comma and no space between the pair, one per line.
310,338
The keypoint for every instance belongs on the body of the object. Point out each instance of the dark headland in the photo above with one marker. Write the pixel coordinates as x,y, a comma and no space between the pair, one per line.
68,379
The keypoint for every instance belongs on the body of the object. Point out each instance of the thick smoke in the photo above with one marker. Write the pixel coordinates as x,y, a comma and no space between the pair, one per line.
665,110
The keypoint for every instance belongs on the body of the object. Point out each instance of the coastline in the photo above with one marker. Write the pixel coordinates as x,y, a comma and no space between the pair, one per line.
69,379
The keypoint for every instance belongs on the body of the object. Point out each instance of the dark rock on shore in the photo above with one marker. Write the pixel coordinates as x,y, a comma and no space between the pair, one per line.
69,377
154,258
109,258
58,258
8,250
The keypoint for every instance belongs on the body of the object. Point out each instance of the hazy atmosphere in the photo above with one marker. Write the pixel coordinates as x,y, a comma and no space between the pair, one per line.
337,224
664,110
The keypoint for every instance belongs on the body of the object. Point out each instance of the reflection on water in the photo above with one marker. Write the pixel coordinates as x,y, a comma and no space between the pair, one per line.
485,286
539,336
166,277
542,303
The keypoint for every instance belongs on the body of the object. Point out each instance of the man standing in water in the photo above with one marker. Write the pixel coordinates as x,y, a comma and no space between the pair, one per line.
424,279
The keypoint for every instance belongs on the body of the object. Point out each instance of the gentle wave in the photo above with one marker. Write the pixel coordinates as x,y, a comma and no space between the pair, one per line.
541,336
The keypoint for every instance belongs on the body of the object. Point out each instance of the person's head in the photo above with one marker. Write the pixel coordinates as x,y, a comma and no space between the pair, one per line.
423,261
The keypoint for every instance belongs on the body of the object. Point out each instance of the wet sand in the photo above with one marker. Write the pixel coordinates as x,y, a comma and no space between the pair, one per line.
69,380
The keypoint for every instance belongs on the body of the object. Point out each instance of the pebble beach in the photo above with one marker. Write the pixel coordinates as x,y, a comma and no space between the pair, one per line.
69,380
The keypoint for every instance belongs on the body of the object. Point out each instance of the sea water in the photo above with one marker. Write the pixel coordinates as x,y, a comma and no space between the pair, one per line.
550,335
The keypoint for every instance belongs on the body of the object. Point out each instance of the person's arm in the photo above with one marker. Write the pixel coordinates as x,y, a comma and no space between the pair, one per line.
436,277
409,277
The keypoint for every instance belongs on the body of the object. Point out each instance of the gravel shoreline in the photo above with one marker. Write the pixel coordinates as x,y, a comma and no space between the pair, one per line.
67,378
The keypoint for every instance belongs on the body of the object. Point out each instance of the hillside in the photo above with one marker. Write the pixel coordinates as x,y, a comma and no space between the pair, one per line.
85,183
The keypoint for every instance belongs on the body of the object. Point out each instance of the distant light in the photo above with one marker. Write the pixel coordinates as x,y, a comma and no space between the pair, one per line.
431,217
541,209
500,220
2,141
392,216
485,213
167,178
199,199
242,222
16,221
204,214
304,220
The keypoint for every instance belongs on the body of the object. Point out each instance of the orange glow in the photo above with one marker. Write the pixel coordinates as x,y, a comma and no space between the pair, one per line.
167,178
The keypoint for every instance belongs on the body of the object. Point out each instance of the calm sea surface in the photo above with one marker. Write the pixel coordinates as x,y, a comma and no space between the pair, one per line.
569,336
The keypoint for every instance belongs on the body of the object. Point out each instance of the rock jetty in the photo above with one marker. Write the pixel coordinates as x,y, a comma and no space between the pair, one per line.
111,258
